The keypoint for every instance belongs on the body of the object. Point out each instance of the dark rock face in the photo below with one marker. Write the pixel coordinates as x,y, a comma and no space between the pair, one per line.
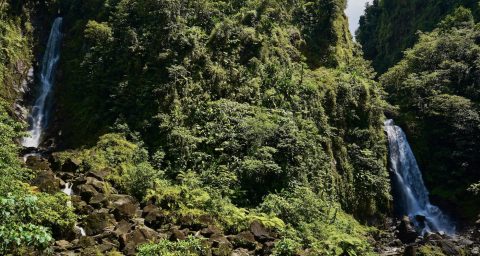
407,233
46,181
98,221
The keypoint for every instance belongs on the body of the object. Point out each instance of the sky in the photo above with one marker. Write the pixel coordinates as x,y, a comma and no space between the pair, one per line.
354,10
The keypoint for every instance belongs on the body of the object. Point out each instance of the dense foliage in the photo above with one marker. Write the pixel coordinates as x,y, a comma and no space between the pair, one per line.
389,27
241,111
436,87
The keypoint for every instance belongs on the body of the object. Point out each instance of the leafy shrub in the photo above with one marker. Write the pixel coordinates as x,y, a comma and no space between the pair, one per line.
190,247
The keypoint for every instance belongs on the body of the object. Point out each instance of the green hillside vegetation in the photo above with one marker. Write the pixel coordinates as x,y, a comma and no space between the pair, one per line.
239,110
436,87
389,27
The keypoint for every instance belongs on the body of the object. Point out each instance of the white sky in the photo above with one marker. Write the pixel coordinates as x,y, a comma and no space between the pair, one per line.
354,10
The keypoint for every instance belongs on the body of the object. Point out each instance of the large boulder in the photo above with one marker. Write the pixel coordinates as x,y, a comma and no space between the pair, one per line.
244,240
154,216
407,233
136,237
86,192
71,165
98,221
260,232
37,163
124,206
220,245
46,181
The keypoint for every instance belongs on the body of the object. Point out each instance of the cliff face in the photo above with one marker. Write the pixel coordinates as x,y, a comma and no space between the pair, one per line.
389,27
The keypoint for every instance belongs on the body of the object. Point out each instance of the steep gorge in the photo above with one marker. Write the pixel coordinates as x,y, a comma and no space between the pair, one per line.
203,128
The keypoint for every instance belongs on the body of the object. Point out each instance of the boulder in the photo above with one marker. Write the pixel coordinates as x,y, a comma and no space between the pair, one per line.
220,245
124,206
37,163
123,227
244,239
241,252
136,237
407,233
177,235
154,216
98,221
209,231
71,165
86,192
63,245
99,174
98,201
260,232
449,248
46,181
98,185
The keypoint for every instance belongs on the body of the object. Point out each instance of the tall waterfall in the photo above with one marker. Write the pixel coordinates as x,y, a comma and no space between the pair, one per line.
39,115
411,194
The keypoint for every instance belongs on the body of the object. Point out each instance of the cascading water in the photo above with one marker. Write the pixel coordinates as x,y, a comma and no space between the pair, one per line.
411,194
38,119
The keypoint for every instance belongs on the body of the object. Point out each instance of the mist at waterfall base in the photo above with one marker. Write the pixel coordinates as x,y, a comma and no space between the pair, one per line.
39,114
410,194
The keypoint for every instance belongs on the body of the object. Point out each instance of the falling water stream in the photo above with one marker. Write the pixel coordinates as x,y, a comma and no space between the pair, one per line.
411,194
39,114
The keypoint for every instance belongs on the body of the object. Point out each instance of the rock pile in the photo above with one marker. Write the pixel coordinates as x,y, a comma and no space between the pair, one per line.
118,222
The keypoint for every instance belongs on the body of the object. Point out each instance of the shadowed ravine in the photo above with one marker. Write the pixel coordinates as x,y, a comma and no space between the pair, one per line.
39,114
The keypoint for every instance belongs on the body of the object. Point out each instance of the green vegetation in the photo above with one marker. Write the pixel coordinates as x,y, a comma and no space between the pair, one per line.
436,89
389,27
189,247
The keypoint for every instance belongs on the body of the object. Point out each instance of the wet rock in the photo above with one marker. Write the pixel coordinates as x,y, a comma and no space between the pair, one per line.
46,181
449,248
244,240
407,233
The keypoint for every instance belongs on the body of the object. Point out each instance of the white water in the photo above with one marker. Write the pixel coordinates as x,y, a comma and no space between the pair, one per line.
38,119
412,195
68,191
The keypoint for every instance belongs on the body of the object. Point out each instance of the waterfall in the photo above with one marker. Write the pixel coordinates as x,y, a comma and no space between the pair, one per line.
38,118
411,194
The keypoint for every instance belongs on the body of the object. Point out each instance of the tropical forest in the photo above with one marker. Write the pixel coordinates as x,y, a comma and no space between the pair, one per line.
240,127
